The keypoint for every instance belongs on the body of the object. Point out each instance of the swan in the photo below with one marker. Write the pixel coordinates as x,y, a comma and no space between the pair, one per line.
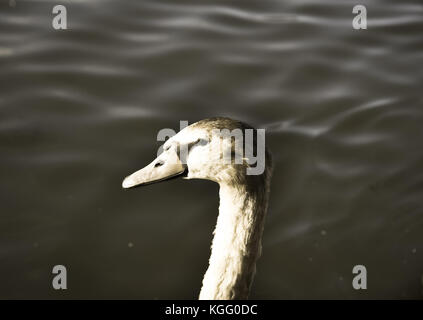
236,245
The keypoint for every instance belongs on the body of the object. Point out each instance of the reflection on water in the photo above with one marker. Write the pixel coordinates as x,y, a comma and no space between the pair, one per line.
80,109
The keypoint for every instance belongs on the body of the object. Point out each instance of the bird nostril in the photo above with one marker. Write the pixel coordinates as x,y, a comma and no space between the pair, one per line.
158,164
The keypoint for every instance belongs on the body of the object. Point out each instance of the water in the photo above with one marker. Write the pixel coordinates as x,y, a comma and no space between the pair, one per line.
81,108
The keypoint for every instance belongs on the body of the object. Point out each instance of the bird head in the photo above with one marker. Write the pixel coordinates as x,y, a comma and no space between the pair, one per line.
214,149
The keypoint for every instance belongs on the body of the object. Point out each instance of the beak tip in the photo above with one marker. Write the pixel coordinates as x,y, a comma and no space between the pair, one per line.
126,183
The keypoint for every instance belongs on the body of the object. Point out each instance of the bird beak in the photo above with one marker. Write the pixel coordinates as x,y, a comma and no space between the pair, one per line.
164,167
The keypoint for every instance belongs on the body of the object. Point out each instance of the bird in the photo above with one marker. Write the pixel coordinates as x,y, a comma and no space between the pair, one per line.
196,152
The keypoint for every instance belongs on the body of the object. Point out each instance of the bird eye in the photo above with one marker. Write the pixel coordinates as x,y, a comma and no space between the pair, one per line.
159,163
166,148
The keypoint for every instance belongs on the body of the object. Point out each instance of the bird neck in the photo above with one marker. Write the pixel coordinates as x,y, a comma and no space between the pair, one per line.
236,244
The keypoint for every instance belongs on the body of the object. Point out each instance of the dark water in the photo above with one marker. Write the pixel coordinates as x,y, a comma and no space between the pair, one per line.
81,108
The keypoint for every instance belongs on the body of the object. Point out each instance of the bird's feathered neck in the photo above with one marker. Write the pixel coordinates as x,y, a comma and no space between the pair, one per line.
237,241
